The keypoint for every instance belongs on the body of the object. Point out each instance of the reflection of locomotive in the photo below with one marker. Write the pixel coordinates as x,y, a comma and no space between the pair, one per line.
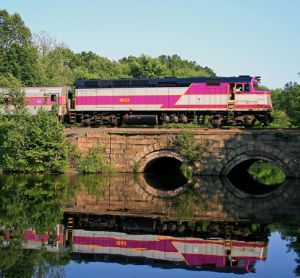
178,251
52,242
158,243
215,246
227,101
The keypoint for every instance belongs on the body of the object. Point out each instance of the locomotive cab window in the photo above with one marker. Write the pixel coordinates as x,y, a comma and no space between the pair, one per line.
239,88
247,88
53,98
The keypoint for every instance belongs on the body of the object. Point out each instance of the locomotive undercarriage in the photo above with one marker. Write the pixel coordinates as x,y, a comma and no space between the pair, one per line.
217,119
239,118
136,225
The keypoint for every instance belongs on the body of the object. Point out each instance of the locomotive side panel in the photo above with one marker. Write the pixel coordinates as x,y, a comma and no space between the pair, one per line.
196,97
253,101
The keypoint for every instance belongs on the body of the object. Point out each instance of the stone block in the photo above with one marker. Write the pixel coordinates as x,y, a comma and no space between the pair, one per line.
81,139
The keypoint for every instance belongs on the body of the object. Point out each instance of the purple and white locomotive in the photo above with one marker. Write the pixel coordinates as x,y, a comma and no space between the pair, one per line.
226,100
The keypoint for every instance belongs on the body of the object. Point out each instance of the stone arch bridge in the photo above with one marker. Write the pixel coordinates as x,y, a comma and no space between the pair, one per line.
135,149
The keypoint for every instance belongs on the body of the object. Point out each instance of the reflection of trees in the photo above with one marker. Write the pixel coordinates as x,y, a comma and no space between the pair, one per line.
31,202
18,262
92,184
290,231
186,205
34,202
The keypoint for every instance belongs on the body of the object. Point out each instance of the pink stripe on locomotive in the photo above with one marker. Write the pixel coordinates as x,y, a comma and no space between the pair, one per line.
41,101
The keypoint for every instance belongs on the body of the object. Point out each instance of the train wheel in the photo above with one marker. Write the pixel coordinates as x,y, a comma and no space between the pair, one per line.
249,121
216,121
86,120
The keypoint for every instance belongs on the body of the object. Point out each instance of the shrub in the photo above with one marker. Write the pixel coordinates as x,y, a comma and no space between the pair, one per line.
93,162
32,143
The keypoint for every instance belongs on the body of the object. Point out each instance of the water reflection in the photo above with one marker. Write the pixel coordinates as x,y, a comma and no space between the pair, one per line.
200,199
165,182
196,250
208,224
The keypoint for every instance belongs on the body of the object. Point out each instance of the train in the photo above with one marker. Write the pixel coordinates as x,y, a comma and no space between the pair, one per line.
224,101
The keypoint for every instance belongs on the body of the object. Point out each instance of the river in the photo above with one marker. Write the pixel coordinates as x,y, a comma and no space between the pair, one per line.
147,225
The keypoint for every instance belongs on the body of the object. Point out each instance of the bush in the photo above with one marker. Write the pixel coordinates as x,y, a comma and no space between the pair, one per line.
32,143
93,162
184,143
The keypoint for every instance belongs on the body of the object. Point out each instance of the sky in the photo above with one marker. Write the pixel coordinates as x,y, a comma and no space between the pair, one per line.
232,37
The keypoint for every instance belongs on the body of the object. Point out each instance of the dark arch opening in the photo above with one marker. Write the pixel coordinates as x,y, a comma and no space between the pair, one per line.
164,173
256,176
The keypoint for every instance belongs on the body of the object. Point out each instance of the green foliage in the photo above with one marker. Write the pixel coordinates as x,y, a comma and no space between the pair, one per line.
32,143
32,202
185,170
18,262
266,173
93,162
290,231
144,66
185,205
281,120
288,101
92,184
11,93
183,68
163,66
18,55
136,167
184,143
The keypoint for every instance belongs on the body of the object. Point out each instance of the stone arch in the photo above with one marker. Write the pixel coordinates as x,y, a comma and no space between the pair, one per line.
162,153
253,153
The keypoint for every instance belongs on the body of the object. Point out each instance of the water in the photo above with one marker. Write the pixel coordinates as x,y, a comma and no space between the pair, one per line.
136,225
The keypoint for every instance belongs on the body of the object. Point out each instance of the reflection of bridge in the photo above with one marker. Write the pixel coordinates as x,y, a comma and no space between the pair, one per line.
207,198
129,149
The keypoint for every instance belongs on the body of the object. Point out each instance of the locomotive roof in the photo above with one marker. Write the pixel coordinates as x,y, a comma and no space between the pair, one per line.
157,82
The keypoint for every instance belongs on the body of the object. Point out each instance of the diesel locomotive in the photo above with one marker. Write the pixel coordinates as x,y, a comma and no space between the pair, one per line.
226,101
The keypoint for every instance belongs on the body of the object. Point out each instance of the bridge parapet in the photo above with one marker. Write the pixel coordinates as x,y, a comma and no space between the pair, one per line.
130,149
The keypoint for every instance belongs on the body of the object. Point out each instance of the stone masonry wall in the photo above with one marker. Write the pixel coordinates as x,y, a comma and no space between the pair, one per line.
130,149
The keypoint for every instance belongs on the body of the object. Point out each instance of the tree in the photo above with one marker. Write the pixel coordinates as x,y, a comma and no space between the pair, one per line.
288,101
144,66
184,68
12,93
91,65
18,56
32,142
